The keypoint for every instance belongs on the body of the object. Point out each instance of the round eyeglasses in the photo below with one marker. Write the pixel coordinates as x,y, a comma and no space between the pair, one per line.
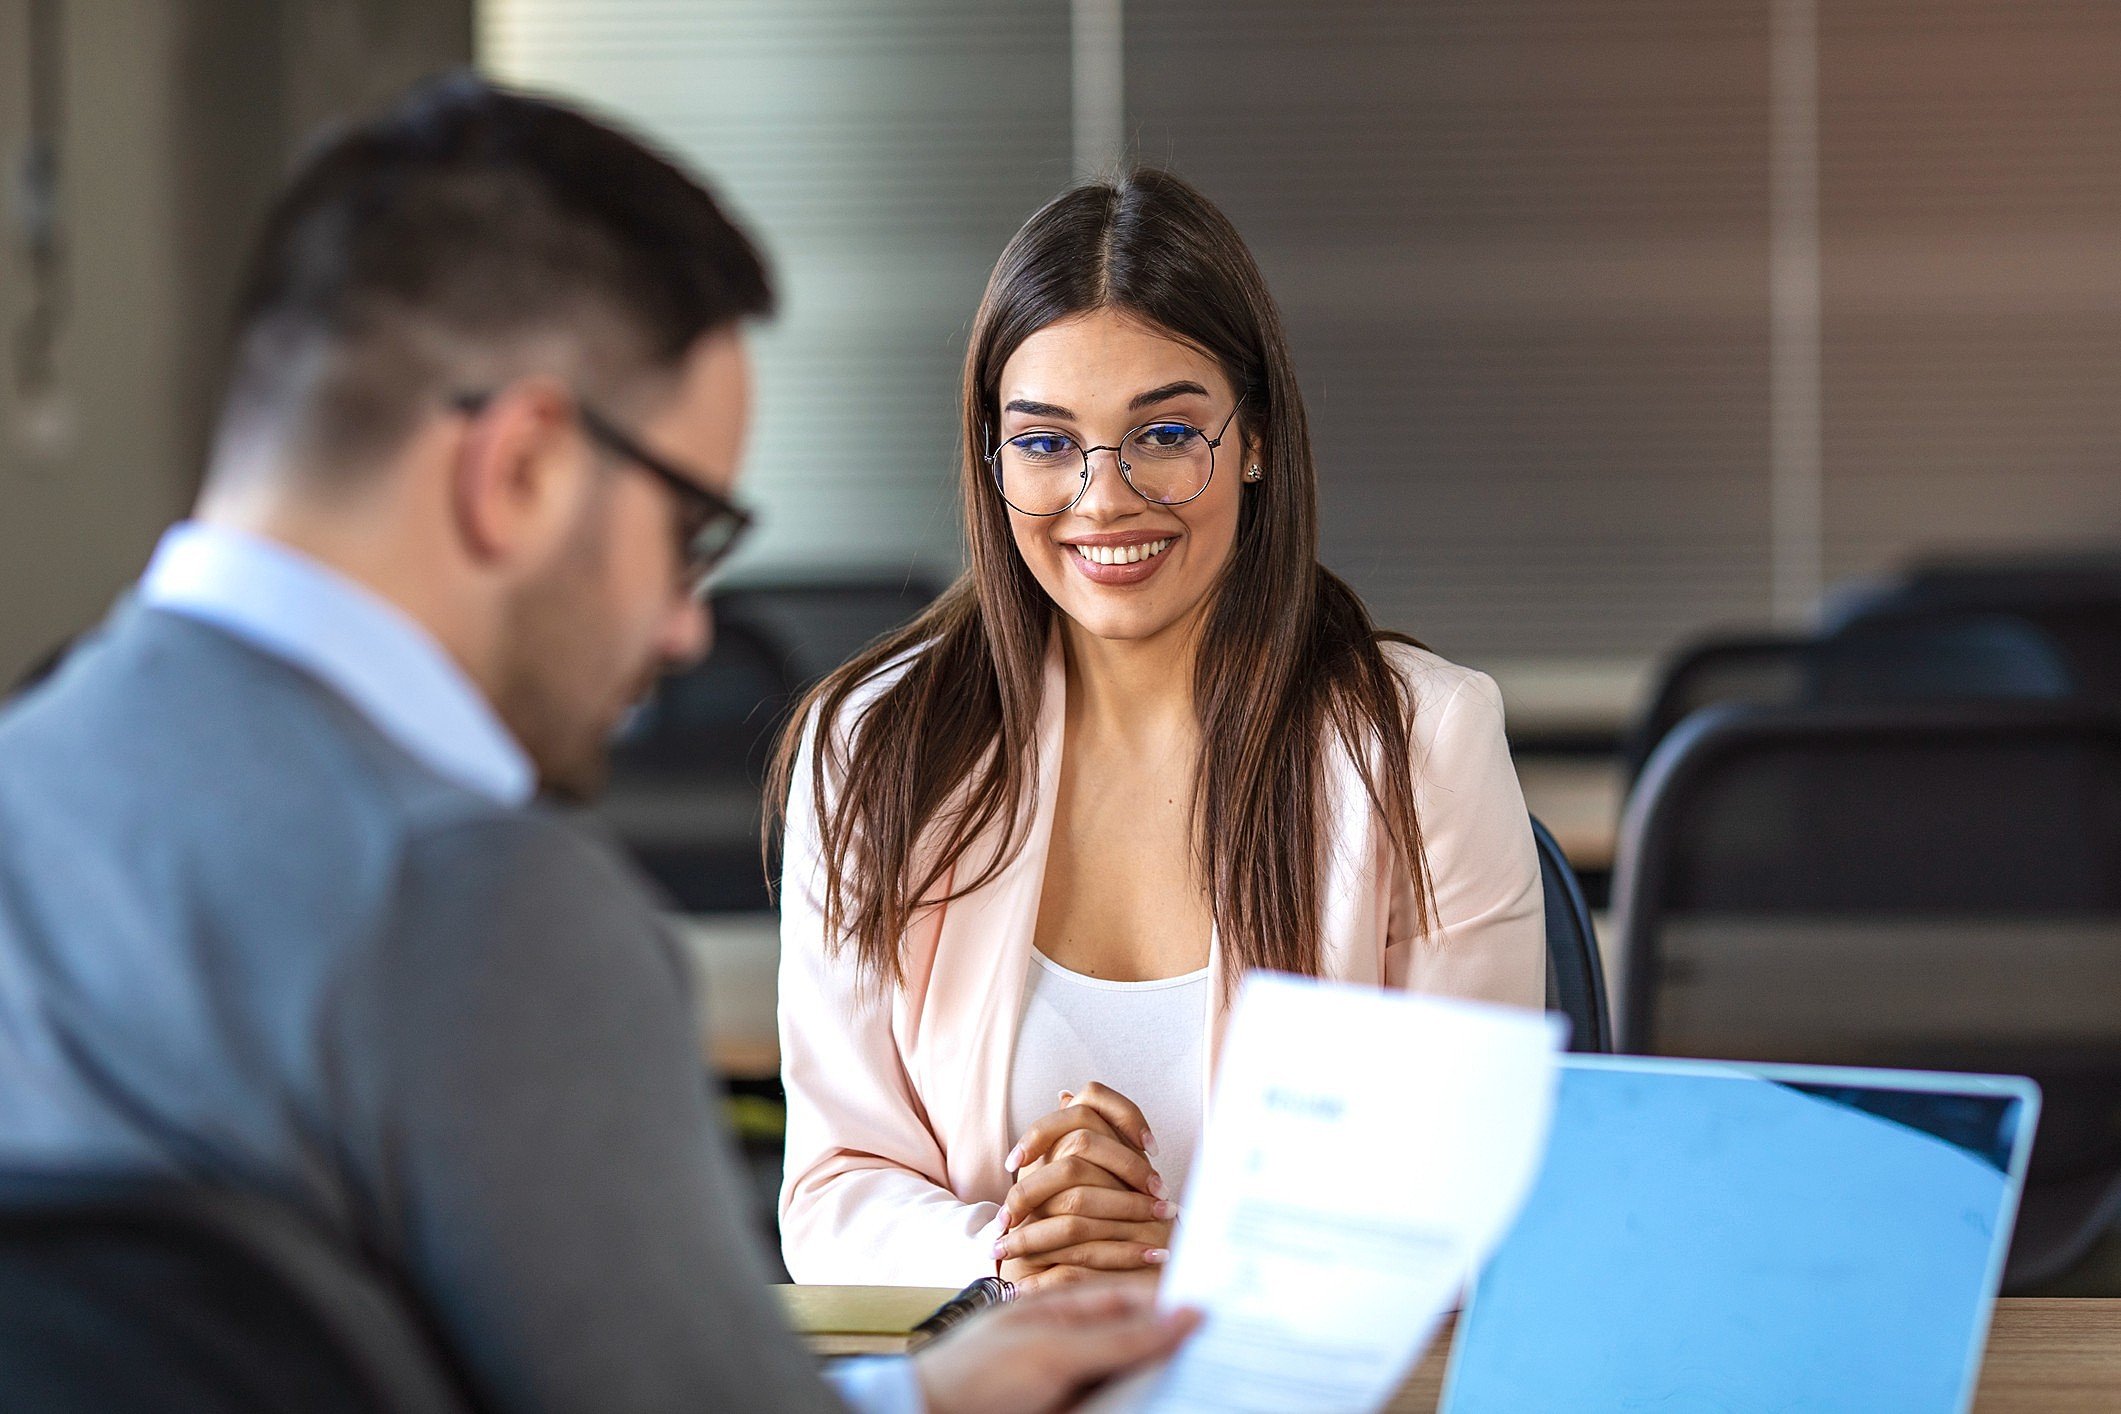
1044,471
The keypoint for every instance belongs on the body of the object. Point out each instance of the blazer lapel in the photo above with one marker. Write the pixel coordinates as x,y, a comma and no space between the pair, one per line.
981,958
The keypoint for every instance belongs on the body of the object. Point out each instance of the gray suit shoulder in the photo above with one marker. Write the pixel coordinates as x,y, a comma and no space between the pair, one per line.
531,864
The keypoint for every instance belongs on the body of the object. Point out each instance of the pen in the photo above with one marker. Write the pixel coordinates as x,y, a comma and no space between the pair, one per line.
981,1294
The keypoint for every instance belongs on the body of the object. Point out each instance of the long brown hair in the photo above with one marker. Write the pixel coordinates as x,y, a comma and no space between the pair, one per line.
1288,665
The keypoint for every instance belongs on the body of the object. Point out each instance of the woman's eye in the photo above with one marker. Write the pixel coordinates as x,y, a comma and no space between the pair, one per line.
1042,445
1165,437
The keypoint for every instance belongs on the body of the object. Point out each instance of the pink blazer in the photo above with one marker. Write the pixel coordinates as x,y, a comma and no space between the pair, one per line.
898,1106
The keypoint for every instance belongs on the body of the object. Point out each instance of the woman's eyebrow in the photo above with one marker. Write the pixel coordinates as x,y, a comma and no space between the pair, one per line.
1178,389
1035,409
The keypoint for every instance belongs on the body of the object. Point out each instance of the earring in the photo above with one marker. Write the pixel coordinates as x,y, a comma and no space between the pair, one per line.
1253,474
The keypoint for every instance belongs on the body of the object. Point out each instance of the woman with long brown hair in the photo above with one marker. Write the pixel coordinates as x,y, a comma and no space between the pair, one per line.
1144,744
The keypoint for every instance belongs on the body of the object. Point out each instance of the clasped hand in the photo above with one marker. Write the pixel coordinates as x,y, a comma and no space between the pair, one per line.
1087,1197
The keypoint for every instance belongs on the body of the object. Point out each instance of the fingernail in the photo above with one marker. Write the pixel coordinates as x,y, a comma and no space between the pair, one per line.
1067,1097
1156,1186
1008,1219
1148,1143
1165,1210
1001,1250
1156,1256
1015,1160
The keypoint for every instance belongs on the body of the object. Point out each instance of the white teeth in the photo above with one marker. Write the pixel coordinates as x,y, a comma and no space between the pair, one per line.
1121,554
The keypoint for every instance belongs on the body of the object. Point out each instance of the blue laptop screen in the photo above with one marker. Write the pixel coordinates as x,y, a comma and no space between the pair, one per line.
1704,1237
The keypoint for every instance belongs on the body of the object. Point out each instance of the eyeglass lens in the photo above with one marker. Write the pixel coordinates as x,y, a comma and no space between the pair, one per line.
707,543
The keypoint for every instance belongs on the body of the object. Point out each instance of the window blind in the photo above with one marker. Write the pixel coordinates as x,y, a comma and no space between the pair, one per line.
1522,248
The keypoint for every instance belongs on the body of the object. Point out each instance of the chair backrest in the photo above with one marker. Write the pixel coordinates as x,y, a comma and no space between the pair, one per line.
2050,581
685,792
715,721
1944,656
1764,670
1904,656
687,774
1931,887
122,1295
1575,974
824,622
2076,603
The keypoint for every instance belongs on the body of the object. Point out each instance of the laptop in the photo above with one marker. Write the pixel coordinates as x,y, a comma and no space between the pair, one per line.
1711,1235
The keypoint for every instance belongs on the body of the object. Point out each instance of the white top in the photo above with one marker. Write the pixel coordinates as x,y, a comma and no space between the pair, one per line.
1147,1040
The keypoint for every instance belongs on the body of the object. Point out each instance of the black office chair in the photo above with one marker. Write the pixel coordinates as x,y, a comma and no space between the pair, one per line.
718,719
1946,583
826,620
1947,655
127,1296
2074,600
1928,887
1765,670
686,779
1908,656
1575,975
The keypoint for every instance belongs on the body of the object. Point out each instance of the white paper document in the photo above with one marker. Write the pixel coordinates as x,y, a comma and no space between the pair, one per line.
1364,1153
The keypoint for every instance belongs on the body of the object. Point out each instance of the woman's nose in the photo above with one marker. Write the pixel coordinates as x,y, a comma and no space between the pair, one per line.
1108,492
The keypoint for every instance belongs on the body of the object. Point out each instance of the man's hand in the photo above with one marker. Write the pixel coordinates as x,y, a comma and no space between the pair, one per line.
1044,1352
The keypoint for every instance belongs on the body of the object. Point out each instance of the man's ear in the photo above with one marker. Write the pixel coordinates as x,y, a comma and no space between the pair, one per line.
517,472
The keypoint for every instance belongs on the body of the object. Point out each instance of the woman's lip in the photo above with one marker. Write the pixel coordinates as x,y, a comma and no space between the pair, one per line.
1118,574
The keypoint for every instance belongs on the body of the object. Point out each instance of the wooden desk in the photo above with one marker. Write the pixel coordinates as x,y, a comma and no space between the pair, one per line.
2045,1356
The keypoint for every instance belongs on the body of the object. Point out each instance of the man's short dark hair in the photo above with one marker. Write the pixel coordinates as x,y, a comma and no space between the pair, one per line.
468,235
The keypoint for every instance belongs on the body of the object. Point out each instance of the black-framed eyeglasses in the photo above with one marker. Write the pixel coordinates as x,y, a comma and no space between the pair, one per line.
1167,462
710,525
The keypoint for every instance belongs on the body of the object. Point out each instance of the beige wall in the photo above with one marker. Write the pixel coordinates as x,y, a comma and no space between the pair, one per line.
179,117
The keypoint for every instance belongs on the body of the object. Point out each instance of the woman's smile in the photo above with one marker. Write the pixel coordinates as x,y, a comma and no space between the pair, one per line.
1120,559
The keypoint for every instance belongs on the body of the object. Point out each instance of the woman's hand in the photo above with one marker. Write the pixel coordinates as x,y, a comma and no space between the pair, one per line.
1095,1108
1087,1198
1084,1230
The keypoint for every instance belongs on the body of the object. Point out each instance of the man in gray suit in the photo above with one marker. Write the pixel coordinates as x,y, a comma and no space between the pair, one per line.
277,910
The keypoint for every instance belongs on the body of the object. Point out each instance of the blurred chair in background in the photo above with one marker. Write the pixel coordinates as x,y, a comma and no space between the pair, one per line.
707,724
1907,656
1932,656
686,779
1937,887
1575,973
2075,600
2089,577
1764,670
124,1296
824,622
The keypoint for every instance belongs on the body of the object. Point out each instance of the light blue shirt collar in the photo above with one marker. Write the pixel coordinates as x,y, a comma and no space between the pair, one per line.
359,644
